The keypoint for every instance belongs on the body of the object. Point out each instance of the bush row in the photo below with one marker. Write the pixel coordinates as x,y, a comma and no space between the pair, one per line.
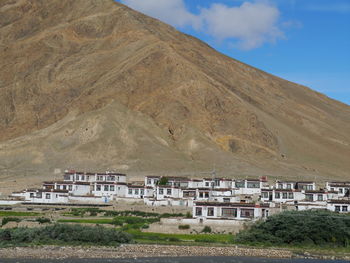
67,234
314,228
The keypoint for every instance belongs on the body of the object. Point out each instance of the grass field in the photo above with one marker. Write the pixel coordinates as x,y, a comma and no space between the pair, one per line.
87,221
13,213
188,238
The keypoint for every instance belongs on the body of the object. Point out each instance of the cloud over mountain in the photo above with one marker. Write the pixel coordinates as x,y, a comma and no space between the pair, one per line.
248,26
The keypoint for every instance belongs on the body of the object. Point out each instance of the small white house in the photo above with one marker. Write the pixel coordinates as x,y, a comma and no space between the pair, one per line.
51,196
248,186
340,206
139,191
151,180
234,211
167,191
343,188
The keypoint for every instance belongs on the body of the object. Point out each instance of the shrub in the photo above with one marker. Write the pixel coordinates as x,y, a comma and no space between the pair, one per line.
173,239
188,215
5,220
318,228
184,227
206,229
163,181
59,233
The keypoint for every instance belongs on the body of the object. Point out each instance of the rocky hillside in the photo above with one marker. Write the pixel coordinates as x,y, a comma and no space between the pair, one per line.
92,84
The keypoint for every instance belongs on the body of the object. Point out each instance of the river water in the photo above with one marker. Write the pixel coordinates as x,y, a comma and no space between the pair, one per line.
174,260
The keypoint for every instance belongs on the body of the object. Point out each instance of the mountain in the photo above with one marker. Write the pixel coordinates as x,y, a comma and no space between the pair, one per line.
94,85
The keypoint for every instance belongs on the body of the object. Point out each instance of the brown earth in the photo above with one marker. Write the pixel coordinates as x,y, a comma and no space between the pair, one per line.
92,85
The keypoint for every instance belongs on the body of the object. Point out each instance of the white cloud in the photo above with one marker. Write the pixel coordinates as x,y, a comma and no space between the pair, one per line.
173,12
249,25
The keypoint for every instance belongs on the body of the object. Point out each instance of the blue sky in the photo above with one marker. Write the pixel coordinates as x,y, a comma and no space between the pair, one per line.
304,41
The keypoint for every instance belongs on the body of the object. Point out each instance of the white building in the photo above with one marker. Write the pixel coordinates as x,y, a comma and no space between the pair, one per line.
343,188
50,196
236,211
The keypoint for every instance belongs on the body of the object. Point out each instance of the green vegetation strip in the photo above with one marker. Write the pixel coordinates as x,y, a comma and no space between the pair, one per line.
87,221
318,228
81,212
59,234
201,238
13,213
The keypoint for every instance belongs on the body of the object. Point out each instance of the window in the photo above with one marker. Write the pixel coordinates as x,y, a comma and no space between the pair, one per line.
39,195
277,195
341,190
31,195
309,197
265,195
198,211
210,211
253,185
290,195
239,184
284,195
83,177
48,196
226,200
344,208
337,208
70,187
280,186
142,191
111,188
289,186
206,183
99,178
309,187
98,187
161,191
320,197
67,177
217,182
168,191
64,187
130,191
149,181
247,213
229,212
105,188
110,178
332,189
136,191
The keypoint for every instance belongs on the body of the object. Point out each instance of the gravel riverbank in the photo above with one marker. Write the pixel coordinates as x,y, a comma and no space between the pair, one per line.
137,251
143,251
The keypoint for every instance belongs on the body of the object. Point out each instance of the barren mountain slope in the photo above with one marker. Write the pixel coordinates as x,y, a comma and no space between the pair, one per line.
92,84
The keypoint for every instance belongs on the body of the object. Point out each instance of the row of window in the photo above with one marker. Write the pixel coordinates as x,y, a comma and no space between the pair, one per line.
285,195
168,191
310,197
40,195
106,188
249,184
136,191
65,187
339,208
280,186
342,190
227,212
